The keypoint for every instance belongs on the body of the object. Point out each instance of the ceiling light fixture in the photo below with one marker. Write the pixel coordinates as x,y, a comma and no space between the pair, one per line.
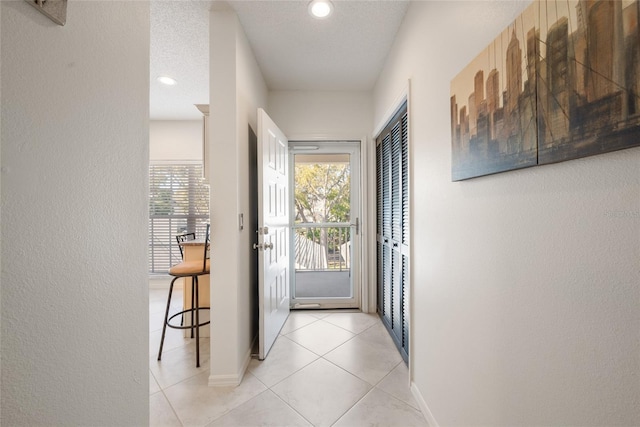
320,8
167,80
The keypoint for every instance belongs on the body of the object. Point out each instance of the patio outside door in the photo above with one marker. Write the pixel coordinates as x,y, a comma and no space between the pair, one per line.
325,224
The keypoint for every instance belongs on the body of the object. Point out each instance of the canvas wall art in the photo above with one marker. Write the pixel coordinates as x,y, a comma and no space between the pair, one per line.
561,82
589,78
493,105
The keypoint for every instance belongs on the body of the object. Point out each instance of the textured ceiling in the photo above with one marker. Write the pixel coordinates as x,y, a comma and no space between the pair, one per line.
294,51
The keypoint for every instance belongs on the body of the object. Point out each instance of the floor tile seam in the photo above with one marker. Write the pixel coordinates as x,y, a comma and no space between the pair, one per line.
338,346
356,375
350,373
383,378
348,330
293,373
326,352
399,400
181,381
388,373
355,334
315,352
156,381
374,342
297,329
172,408
229,410
234,408
187,341
289,406
354,404
308,349
366,342
165,350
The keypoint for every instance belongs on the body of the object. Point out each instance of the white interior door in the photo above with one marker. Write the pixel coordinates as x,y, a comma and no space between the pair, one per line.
273,231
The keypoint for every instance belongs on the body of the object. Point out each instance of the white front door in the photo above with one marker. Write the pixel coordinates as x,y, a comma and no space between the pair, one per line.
273,231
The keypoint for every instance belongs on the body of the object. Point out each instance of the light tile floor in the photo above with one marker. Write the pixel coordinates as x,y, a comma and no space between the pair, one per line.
327,368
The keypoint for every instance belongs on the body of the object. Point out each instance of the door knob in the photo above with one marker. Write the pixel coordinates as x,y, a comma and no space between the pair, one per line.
261,247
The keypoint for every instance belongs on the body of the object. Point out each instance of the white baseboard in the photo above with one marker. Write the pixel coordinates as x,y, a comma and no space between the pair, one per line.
431,421
232,380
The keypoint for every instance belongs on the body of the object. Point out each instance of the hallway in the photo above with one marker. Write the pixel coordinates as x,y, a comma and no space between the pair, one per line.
326,368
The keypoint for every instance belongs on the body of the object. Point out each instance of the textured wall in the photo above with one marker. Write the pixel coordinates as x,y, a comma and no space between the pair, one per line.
75,111
525,284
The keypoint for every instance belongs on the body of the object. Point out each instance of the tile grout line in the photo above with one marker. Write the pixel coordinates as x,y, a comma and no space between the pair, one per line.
289,406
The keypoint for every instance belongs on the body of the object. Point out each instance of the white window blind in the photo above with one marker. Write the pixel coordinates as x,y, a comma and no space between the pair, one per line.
178,204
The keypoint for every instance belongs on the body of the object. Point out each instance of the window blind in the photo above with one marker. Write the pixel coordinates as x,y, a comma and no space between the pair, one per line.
178,204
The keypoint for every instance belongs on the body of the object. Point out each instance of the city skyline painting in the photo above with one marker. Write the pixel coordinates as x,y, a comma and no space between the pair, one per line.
493,105
559,83
589,78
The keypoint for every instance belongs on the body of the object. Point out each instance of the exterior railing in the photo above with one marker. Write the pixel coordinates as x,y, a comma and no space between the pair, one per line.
322,247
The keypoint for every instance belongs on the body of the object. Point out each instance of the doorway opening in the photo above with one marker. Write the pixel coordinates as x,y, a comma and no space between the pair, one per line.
325,224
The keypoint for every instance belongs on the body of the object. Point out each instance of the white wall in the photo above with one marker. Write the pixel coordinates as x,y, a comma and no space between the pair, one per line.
525,284
175,140
237,90
313,113
74,215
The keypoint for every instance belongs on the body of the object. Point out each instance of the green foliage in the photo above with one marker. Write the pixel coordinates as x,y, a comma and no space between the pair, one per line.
322,195
322,192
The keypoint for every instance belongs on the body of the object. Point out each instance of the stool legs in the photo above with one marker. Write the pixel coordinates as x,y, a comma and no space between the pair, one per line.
194,281
195,317
197,310
166,318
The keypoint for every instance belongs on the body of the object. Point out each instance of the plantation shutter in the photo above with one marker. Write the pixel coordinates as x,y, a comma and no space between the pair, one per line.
178,204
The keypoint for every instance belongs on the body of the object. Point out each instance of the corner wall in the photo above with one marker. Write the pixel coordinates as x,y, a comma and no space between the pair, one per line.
75,138
237,90
525,285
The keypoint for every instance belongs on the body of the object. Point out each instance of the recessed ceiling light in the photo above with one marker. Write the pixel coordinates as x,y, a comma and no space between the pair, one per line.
320,8
167,80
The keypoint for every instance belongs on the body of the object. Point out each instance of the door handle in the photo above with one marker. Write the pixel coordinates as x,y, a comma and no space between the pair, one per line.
261,246
357,225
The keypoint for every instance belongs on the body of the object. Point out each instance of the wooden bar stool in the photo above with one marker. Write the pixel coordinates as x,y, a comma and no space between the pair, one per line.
192,269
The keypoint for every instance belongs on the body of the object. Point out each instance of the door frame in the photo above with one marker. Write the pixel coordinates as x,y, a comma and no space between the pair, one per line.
361,275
